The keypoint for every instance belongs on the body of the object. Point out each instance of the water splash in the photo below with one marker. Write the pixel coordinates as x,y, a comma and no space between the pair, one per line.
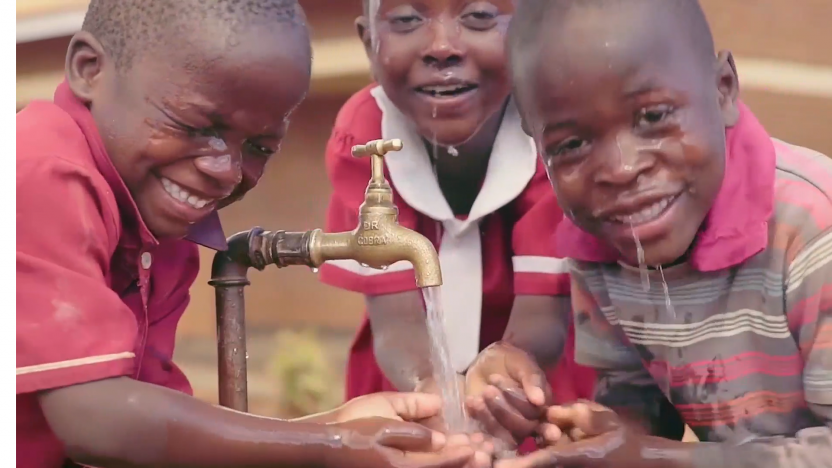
453,151
444,374
667,304
373,11
642,267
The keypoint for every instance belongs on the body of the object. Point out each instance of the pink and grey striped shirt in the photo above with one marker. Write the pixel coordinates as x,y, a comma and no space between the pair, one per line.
743,350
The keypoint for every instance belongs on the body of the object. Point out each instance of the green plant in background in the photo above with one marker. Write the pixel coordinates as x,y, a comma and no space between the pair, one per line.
302,373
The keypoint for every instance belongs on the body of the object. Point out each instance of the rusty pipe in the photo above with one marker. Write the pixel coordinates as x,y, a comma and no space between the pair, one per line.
254,248
378,242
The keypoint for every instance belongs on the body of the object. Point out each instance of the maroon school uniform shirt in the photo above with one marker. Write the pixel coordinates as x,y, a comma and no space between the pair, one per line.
501,249
97,295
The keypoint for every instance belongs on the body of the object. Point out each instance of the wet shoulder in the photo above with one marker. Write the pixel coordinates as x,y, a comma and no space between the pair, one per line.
360,116
803,198
55,163
45,132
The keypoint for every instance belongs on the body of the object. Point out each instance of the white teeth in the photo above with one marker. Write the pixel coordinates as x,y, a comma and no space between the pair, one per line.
443,88
646,214
182,195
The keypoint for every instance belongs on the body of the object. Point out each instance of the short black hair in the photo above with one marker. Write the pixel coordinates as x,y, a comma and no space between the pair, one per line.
127,28
531,15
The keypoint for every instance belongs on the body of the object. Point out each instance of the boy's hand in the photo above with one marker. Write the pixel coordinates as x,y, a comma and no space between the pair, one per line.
391,405
507,392
419,407
386,443
429,385
593,436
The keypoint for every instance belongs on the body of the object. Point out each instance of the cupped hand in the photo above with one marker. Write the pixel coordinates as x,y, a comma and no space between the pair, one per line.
507,392
589,435
418,407
385,443
401,406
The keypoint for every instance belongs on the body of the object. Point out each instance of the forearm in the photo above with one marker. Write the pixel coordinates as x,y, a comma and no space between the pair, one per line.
539,325
810,448
400,339
122,423
638,400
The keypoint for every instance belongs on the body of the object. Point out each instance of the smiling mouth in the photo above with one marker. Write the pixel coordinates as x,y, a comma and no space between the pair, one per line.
181,194
446,91
646,214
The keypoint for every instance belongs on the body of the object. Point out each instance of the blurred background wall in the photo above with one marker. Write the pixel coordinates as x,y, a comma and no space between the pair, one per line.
299,330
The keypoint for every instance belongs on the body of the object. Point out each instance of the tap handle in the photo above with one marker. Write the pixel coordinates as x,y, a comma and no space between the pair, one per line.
376,149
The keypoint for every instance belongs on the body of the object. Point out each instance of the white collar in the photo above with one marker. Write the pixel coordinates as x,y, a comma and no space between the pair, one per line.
511,166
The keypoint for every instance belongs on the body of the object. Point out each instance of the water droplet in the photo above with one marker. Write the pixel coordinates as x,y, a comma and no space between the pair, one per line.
667,304
642,267
453,151
247,355
433,113
365,265
314,270
384,267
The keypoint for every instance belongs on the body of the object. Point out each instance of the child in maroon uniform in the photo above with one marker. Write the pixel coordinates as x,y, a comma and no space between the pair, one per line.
170,111
468,178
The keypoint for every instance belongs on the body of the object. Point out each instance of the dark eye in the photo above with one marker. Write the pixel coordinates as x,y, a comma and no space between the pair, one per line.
260,150
569,146
479,20
650,117
405,23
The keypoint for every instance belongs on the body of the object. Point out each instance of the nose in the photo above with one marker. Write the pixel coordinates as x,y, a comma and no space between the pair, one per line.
221,163
623,160
444,49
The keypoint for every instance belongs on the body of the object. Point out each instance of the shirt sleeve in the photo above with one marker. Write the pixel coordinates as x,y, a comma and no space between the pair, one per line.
172,277
71,327
537,271
808,287
623,382
349,177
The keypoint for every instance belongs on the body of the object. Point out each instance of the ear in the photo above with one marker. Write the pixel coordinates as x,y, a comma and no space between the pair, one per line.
85,64
728,88
362,27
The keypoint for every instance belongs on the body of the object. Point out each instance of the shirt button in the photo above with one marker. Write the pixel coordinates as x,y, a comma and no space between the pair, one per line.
147,260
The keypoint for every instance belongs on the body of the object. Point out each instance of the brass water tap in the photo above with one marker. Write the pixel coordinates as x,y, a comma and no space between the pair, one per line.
379,240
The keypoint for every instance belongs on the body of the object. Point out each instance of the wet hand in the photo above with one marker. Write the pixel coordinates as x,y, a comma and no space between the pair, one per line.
429,386
588,435
392,405
507,393
386,443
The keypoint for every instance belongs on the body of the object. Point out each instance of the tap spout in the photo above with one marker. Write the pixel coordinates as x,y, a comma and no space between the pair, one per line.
379,245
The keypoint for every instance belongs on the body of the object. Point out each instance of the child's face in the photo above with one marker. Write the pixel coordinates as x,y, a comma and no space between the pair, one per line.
441,62
191,131
631,125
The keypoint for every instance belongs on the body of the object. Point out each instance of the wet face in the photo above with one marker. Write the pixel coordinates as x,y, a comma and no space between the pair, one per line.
191,131
631,123
441,62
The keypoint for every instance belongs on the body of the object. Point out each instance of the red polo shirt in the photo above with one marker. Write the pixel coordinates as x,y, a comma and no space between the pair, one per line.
97,295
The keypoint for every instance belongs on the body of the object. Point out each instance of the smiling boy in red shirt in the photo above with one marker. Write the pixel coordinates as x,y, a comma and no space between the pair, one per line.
170,110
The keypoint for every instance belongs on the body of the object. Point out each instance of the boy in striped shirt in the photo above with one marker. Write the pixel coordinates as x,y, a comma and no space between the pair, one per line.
701,247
